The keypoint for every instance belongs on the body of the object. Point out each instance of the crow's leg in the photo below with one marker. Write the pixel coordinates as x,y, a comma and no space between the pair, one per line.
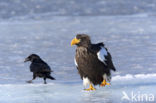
44,80
30,81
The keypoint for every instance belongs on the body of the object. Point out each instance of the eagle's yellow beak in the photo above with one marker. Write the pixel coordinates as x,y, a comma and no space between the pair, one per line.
75,41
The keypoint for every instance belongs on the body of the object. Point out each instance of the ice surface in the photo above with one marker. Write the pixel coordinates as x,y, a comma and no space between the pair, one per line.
15,8
131,41
127,28
69,92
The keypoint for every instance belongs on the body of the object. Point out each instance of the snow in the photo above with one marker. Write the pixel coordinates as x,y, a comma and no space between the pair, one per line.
128,32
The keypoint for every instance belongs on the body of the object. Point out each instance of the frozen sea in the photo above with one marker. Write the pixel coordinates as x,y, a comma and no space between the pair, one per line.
46,27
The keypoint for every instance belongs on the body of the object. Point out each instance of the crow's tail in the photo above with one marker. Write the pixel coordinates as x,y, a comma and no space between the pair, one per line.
50,77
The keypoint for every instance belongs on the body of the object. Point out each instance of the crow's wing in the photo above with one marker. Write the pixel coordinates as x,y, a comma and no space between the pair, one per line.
40,67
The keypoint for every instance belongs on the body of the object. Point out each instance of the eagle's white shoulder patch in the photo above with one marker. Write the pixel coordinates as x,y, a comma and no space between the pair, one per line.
101,54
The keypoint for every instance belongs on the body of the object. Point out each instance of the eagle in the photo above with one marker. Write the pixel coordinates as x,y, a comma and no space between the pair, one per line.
93,61
39,68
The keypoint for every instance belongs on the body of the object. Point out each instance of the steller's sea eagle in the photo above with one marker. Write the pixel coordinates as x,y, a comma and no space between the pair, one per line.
93,61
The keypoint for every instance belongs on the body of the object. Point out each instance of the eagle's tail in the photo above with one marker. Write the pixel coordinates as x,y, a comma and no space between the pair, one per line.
114,69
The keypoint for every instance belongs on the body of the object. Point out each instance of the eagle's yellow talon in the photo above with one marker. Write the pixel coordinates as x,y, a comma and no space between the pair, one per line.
104,83
90,88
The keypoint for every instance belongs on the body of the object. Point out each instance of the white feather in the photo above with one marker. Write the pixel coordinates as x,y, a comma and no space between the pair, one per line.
75,62
105,77
86,81
101,54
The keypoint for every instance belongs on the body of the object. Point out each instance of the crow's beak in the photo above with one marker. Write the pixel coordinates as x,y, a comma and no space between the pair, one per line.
26,59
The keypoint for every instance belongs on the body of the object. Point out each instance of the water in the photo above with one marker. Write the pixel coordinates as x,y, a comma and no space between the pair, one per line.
129,35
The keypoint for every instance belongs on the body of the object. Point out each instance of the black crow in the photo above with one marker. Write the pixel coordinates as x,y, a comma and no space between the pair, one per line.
93,61
39,68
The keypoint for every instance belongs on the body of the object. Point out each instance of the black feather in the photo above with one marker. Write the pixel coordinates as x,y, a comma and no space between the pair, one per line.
39,67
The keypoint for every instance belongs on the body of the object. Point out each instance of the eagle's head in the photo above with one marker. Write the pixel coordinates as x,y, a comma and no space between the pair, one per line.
81,40
32,57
